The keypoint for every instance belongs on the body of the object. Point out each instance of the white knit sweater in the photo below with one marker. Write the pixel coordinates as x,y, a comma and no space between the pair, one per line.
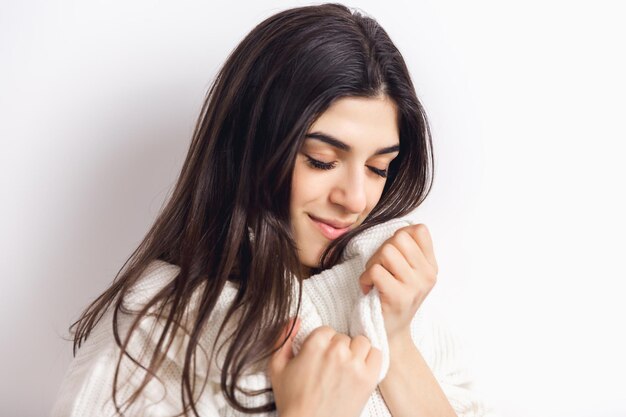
332,298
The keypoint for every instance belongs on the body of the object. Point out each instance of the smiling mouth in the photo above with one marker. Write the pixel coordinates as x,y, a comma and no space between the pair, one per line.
327,230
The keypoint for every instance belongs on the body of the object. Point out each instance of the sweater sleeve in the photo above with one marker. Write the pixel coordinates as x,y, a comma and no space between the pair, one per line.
86,389
442,350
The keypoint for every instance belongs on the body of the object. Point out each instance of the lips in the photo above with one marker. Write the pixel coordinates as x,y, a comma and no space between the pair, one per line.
328,230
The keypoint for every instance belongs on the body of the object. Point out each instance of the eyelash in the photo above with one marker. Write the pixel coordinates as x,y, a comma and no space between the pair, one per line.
326,166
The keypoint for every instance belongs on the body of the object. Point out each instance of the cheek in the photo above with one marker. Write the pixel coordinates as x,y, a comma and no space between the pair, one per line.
306,185
374,193
297,181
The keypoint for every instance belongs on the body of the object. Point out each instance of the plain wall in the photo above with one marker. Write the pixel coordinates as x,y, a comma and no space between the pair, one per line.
526,99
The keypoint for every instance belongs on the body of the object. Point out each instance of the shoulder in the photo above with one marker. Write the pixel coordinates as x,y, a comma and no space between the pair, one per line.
153,278
157,275
88,382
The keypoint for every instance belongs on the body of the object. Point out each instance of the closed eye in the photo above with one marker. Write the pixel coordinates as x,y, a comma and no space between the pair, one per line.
381,172
330,165
319,164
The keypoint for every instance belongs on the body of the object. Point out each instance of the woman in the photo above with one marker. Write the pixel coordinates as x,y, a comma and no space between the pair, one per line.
311,136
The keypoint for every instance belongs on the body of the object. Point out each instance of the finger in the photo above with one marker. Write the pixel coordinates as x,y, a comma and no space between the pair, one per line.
404,239
340,339
421,235
317,341
395,262
377,276
360,347
409,248
374,360
340,345
284,354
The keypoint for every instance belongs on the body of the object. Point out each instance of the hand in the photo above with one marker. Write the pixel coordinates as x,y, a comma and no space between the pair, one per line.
404,270
332,374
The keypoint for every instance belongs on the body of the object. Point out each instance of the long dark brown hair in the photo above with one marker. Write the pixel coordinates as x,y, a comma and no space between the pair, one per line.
236,180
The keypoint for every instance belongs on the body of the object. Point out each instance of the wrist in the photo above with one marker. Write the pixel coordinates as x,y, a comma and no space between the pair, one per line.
400,344
400,339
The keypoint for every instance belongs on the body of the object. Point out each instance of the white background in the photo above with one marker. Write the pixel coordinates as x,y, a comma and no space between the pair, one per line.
97,104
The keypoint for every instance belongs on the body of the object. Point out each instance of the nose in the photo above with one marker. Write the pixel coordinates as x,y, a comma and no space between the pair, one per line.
349,192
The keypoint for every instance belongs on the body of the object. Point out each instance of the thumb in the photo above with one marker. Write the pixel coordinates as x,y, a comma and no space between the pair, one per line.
282,356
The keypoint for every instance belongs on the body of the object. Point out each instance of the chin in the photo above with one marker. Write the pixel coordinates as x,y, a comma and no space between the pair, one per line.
312,260
310,264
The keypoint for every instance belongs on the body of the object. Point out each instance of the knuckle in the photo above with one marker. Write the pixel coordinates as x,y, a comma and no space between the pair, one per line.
315,343
320,335
341,339
325,330
401,233
417,231
386,251
339,352
421,228
361,339
405,237
398,234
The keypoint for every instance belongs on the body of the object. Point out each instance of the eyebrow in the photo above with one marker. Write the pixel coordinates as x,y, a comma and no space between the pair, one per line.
344,146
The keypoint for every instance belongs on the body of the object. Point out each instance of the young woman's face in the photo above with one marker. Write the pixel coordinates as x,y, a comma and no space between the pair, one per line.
339,173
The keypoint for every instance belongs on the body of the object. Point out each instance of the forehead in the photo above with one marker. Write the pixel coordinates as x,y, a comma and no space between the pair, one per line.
363,123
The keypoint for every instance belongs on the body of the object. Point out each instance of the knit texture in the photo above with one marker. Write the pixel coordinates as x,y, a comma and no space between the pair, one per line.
332,297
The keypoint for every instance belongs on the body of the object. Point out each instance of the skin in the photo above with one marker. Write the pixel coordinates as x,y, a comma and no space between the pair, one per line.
332,374
335,374
351,189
